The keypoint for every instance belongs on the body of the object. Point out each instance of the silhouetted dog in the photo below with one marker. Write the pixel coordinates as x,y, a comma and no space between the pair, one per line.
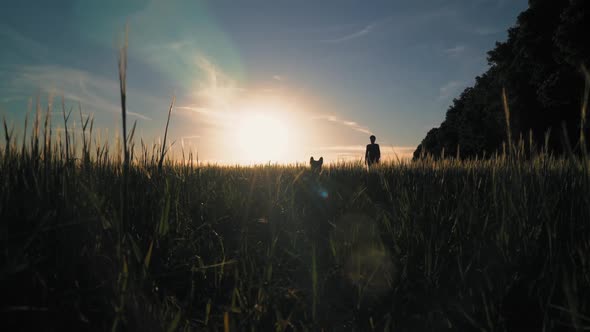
316,166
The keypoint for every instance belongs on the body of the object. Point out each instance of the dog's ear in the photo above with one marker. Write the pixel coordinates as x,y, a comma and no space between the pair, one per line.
311,160
321,160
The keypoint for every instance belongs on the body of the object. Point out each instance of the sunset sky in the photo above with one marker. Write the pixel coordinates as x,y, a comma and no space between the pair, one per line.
254,80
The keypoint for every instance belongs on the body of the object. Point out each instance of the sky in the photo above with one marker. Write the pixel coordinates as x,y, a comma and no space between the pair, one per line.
254,80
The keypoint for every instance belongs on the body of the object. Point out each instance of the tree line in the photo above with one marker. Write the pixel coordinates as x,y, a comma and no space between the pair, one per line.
541,69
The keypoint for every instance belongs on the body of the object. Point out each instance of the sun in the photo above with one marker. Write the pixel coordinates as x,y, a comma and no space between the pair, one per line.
262,137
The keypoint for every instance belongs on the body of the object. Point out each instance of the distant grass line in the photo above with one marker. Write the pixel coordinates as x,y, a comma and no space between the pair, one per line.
495,244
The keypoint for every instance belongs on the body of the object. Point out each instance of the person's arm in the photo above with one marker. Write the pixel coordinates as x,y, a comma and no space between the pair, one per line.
367,154
378,153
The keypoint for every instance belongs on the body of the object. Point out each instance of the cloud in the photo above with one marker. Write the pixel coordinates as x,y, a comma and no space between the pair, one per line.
450,89
347,123
342,148
188,140
177,45
356,34
207,115
14,98
74,84
490,3
191,137
218,90
220,102
30,46
486,31
215,97
455,51
219,99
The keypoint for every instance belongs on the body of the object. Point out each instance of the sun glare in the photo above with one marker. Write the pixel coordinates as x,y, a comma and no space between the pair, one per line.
262,138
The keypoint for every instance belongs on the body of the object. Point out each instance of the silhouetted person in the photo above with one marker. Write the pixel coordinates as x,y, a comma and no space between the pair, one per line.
372,154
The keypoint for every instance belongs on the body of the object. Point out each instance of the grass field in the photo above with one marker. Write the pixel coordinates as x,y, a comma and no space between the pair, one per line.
91,242
99,236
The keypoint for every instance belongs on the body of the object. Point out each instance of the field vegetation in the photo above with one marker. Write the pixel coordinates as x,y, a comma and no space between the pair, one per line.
99,236
93,240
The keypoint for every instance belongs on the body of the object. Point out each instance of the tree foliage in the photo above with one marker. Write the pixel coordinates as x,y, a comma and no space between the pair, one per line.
539,66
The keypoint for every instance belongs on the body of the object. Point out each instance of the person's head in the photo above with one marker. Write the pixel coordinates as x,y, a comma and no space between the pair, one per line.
373,138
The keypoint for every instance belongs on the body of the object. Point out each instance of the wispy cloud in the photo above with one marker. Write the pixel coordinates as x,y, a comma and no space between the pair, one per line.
175,45
191,137
356,34
206,115
455,51
486,31
219,104
492,3
74,84
342,148
30,46
450,89
217,90
215,95
347,123
14,98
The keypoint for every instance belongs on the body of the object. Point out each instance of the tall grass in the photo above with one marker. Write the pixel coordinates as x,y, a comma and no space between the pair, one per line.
584,111
122,61
507,118
163,149
465,245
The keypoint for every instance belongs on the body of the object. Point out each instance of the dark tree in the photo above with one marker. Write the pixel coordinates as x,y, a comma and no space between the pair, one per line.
539,66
